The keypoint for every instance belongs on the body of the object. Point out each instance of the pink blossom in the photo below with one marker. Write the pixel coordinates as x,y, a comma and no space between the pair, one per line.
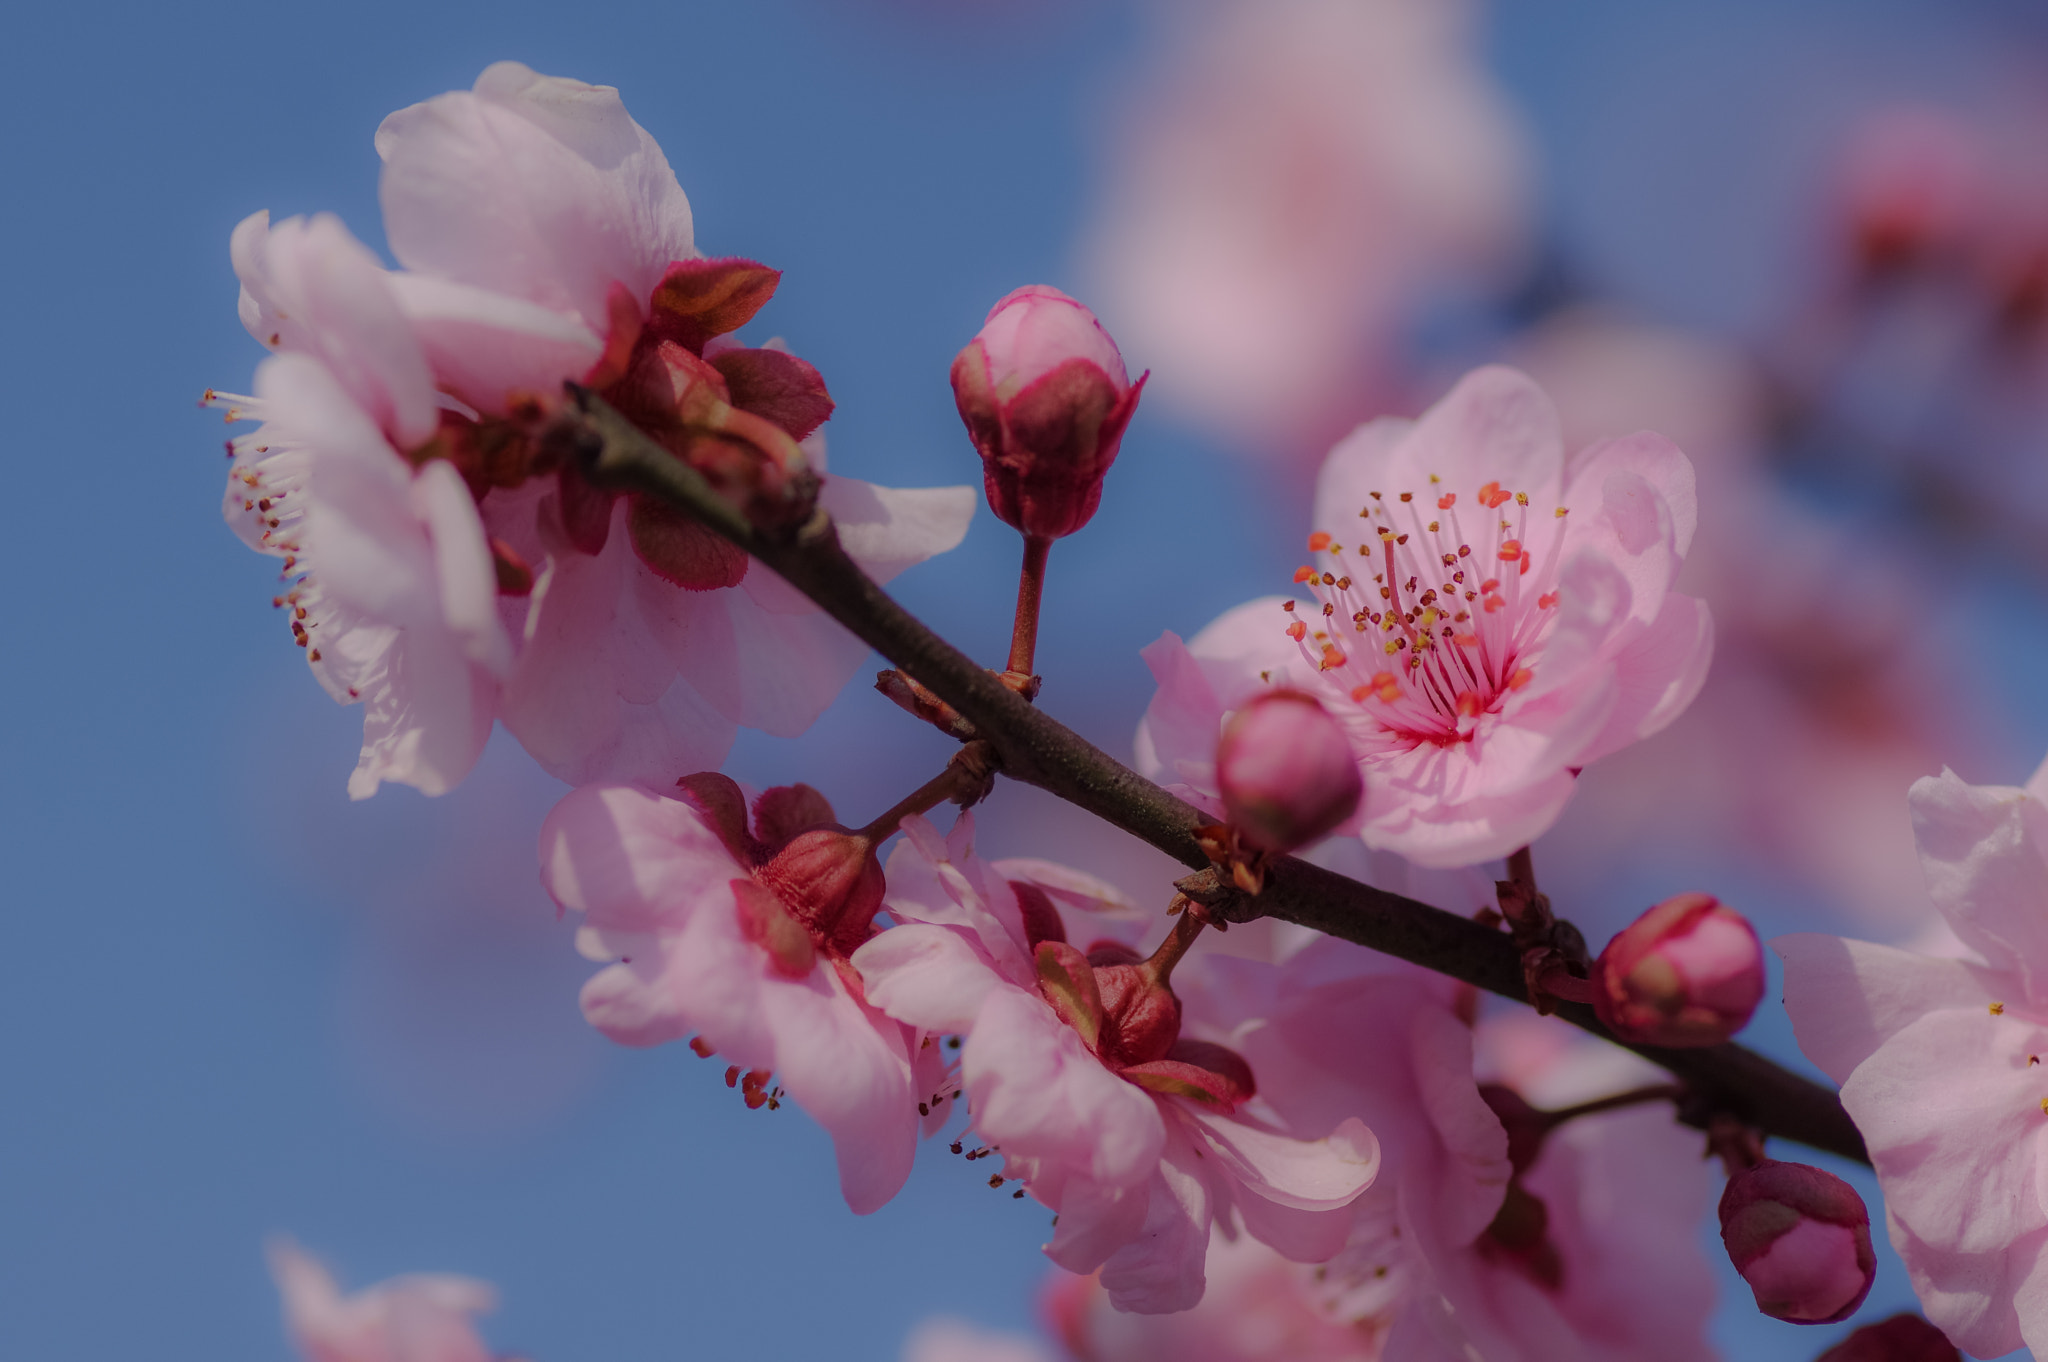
1940,1062
545,239
1075,1071
1285,188
1507,619
407,1319
1044,395
1433,1271
741,937
389,582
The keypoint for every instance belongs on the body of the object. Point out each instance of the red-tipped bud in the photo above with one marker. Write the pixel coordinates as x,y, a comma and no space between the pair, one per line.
1801,1239
1902,1338
831,882
1687,973
1045,398
1140,1015
1286,773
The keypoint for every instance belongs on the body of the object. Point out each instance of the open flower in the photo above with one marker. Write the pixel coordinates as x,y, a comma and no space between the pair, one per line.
1500,619
420,1318
1076,1071
741,936
389,583
1944,1063
546,241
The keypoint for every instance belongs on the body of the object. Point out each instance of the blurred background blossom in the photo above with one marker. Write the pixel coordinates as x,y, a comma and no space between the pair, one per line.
1808,241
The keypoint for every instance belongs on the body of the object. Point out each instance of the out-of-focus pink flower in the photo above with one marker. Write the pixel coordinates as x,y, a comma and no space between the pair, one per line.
1045,397
1902,1338
388,577
1941,1062
953,1340
742,937
1287,190
1689,972
1507,619
545,240
407,1319
1076,1071
1801,1238
1285,773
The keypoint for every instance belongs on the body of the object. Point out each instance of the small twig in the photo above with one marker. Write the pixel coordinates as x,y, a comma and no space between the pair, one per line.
1030,590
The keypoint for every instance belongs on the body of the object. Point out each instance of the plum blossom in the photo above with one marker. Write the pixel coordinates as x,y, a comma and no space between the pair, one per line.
1505,618
1469,1244
388,578
741,936
1940,1062
422,1318
1286,190
545,240
1076,1072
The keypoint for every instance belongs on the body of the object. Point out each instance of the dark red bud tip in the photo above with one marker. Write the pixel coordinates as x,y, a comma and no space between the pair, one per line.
1141,1017
1902,1338
1690,972
1045,398
1801,1239
1286,772
829,880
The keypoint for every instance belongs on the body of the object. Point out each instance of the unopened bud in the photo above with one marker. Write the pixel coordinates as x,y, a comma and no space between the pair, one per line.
1689,972
1286,772
830,881
1045,397
1801,1239
1902,1338
1140,1015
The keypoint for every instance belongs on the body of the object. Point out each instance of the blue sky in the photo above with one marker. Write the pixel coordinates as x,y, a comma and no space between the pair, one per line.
233,1004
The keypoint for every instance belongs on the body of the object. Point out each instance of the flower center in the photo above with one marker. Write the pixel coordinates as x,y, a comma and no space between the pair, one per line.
1431,621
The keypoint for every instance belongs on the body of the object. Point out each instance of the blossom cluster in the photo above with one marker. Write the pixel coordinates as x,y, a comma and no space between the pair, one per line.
1253,1141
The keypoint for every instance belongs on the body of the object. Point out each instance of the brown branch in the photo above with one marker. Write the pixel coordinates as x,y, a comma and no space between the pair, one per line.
1037,749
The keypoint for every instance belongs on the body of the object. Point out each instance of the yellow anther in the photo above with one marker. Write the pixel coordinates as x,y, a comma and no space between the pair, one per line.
1998,1009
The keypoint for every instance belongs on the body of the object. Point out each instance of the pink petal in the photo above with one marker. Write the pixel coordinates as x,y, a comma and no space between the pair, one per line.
1981,848
1310,1175
1038,1093
931,977
534,186
1950,1107
1847,998
485,346
620,853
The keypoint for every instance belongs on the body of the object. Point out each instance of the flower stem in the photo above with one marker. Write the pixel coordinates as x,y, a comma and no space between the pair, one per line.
967,770
1033,747
1030,588
1186,927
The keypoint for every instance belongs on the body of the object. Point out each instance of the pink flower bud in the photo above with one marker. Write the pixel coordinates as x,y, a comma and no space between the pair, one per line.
1801,1239
1045,398
1285,772
1902,1338
1687,973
